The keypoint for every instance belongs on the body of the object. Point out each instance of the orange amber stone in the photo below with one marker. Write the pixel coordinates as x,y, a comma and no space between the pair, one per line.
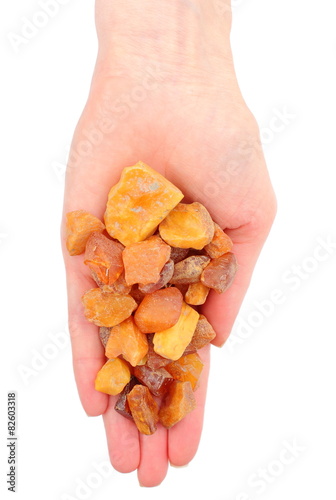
126,339
196,294
171,343
188,367
204,333
220,272
159,310
165,275
143,408
187,226
220,244
122,405
157,381
138,203
119,287
189,270
79,226
144,260
107,309
113,377
178,402
104,258
154,360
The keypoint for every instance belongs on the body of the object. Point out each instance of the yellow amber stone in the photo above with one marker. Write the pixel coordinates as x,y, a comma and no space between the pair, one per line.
188,226
178,402
196,294
79,226
107,309
126,339
138,203
113,377
171,343
188,367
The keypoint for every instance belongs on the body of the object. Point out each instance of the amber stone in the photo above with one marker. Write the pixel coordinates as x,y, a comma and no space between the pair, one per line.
122,405
165,276
107,309
137,294
203,335
171,343
143,408
178,402
119,287
113,377
138,203
220,272
196,294
79,226
126,339
221,243
104,258
104,334
189,270
157,381
159,310
188,367
187,226
178,254
154,360
144,260
183,288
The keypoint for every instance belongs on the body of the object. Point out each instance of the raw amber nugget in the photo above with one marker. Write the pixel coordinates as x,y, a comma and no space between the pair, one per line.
165,276
138,203
188,226
104,258
203,334
113,377
178,402
159,310
104,334
220,244
143,408
220,272
126,339
121,405
196,294
178,254
79,225
189,270
171,343
154,360
188,367
144,260
157,381
119,287
107,309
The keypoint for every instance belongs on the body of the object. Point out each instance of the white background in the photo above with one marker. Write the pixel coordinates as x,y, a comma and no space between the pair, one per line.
276,383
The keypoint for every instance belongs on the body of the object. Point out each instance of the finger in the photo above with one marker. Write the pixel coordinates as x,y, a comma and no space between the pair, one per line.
184,437
154,459
122,439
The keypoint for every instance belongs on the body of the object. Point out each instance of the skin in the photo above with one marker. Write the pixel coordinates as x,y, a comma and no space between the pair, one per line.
164,90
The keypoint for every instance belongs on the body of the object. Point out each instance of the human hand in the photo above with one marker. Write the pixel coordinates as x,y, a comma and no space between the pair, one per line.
164,91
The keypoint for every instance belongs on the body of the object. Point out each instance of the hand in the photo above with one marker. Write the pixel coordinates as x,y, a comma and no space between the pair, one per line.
164,91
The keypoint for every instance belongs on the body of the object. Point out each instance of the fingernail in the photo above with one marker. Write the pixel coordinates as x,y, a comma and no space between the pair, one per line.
179,466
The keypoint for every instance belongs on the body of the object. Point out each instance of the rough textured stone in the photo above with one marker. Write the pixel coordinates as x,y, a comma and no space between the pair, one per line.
178,402
126,339
186,368
189,270
157,381
196,294
220,272
122,405
178,254
79,226
104,258
107,309
113,377
165,276
203,335
144,409
159,310
220,244
154,360
104,334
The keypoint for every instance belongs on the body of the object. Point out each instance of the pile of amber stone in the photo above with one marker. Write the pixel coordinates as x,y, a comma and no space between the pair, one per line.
156,262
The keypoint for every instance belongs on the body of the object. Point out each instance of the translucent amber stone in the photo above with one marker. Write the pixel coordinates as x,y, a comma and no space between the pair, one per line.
104,334
157,381
187,226
79,225
104,258
119,287
113,377
165,276
196,294
154,360
144,409
220,272
187,368
171,343
159,310
138,203
204,333
126,339
121,405
189,270
178,402
220,244
144,260
107,309
137,294
178,254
